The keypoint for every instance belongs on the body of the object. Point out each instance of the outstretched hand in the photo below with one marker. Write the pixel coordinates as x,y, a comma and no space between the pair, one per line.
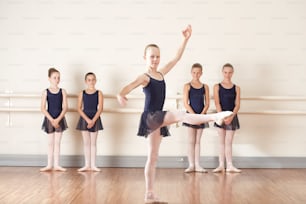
187,32
122,100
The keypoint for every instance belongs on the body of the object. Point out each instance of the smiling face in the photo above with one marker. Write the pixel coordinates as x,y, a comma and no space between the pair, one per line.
152,57
196,73
227,72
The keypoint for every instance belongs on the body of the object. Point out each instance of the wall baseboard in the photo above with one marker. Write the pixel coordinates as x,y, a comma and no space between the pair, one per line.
163,162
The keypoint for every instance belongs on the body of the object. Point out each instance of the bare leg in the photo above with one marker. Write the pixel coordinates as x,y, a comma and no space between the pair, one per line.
228,152
194,119
57,147
154,140
93,151
50,153
191,149
86,146
220,168
197,151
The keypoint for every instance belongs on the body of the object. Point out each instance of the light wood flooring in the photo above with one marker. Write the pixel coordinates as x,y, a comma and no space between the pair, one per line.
126,185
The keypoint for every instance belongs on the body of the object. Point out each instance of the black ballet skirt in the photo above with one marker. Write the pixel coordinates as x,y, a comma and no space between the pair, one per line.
90,104
233,126
150,121
48,128
227,102
82,125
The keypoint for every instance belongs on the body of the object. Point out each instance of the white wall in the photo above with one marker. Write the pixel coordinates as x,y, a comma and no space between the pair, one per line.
265,41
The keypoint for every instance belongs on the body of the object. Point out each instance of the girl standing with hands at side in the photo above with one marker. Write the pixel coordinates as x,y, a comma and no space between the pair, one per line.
154,120
90,107
54,106
196,100
227,98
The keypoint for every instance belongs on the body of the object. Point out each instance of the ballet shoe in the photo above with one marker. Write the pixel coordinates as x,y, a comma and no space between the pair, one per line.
150,198
233,170
189,170
221,116
59,168
85,168
45,169
95,169
219,169
200,170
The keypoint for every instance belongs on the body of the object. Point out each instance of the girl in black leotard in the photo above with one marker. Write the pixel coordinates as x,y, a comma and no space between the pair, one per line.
154,120
54,107
196,100
90,107
227,98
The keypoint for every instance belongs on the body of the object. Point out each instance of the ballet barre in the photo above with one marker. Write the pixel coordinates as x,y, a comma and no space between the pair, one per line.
9,108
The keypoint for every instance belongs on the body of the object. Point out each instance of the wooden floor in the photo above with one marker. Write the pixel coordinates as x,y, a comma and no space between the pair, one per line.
126,185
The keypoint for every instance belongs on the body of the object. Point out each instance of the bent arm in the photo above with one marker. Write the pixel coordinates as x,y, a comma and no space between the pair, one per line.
64,106
217,98
186,99
141,80
206,100
100,107
43,105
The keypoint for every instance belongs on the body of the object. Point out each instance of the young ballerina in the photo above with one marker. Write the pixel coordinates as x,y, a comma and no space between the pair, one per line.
55,99
196,100
153,120
90,107
227,98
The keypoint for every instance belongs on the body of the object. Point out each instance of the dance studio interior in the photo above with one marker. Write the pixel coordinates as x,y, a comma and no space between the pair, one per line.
264,40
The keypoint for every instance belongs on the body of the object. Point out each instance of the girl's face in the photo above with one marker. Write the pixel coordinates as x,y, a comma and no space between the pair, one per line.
152,57
54,79
90,81
196,73
227,73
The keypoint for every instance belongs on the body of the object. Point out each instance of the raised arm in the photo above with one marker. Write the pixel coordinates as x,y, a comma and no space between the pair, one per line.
186,34
141,80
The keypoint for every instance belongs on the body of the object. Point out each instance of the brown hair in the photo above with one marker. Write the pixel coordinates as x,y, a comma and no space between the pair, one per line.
197,65
89,73
51,71
148,46
228,65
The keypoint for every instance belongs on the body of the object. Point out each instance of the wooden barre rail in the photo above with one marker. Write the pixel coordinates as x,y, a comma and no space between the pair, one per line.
134,110
11,96
177,97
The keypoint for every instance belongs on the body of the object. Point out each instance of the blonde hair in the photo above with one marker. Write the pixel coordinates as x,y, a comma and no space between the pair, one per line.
148,46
